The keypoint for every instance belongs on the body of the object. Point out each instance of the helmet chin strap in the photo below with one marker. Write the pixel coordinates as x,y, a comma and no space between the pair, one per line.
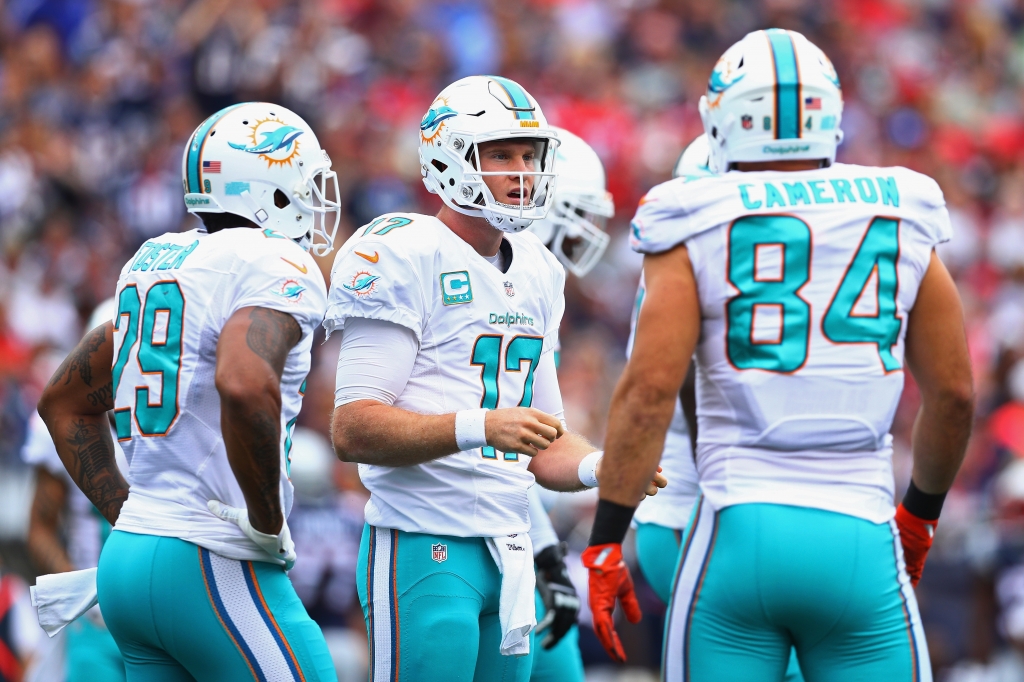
257,212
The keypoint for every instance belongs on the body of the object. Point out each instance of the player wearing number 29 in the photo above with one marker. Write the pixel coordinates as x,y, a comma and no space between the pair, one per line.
447,394
209,349
805,287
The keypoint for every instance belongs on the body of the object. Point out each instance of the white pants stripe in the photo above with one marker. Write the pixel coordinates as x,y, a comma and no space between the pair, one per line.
383,604
915,630
245,616
692,566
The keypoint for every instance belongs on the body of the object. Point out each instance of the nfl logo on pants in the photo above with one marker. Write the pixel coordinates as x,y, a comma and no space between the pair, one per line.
439,552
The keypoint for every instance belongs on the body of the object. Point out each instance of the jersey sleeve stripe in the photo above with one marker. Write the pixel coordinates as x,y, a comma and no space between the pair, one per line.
787,85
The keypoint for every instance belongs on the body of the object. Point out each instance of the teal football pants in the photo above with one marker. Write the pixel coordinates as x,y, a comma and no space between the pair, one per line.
758,579
92,654
659,565
181,613
562,662
430,603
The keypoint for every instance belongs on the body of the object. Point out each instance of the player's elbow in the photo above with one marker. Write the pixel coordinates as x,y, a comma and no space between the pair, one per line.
238,389
955,400
344,433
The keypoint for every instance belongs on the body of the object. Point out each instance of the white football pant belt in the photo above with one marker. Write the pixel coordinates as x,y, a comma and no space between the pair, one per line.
516,606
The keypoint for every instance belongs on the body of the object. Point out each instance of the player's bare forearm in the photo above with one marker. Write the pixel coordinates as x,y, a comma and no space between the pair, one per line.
44,545
937,356
644,399
370,432
73,407
251,353
557,468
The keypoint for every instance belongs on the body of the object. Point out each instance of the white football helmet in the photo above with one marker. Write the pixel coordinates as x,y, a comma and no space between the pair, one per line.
773,95
695,161
480,109
574,228
263,162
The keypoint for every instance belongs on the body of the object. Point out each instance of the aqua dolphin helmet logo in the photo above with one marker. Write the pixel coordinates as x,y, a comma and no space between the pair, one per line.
723,77
433,118
272,141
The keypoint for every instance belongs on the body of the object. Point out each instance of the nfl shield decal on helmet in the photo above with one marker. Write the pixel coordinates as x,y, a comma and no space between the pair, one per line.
748,121
439,552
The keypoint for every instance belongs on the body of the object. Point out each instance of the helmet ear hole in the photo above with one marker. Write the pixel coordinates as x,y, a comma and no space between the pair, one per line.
281,200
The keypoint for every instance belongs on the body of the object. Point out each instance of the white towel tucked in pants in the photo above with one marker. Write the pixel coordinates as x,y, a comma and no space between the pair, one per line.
62,597
516,607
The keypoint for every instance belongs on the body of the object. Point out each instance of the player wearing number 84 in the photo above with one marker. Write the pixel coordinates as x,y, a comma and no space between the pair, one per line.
804,288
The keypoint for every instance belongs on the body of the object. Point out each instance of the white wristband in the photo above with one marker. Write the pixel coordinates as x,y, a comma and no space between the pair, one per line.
469,429
588,468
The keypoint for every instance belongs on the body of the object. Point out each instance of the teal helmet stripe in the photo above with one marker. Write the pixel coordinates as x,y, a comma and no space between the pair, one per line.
787,84
195,149
520,101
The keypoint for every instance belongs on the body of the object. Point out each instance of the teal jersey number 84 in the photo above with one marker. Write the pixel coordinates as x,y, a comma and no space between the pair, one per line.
876,256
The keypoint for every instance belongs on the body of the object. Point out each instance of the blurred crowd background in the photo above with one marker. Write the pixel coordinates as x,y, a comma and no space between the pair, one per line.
98,97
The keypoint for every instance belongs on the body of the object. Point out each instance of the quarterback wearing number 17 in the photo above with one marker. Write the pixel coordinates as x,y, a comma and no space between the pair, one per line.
804,288
447,394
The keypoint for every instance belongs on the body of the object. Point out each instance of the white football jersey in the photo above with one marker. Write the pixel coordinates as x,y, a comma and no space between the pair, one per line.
174,297
672,505
805,282
85,528
481,335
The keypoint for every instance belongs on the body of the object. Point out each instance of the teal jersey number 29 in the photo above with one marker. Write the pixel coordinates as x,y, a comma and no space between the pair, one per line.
487,355
778,292
159,338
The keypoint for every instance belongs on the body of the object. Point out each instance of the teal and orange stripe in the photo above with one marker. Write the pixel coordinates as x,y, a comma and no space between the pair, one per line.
371,561
249,571
915,656
395,632
221,612
696,596
193,165
517,97
787,84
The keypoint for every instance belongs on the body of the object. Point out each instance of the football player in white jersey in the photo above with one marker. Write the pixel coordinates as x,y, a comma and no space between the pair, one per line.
660,520
573,230
66,533
203,366
447,394
805,287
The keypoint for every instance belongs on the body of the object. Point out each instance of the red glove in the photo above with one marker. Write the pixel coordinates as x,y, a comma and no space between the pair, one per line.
609,580
916,537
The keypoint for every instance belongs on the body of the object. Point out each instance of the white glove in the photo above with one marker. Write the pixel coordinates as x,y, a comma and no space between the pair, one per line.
279,546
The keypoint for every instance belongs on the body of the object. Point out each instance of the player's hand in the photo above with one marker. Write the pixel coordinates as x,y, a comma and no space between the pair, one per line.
521,429
916,536
610,581
280,547
659,481
561,603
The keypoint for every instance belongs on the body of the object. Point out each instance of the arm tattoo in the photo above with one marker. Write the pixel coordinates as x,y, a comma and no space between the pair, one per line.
271,335
95,470
80,359
265,434
103,397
